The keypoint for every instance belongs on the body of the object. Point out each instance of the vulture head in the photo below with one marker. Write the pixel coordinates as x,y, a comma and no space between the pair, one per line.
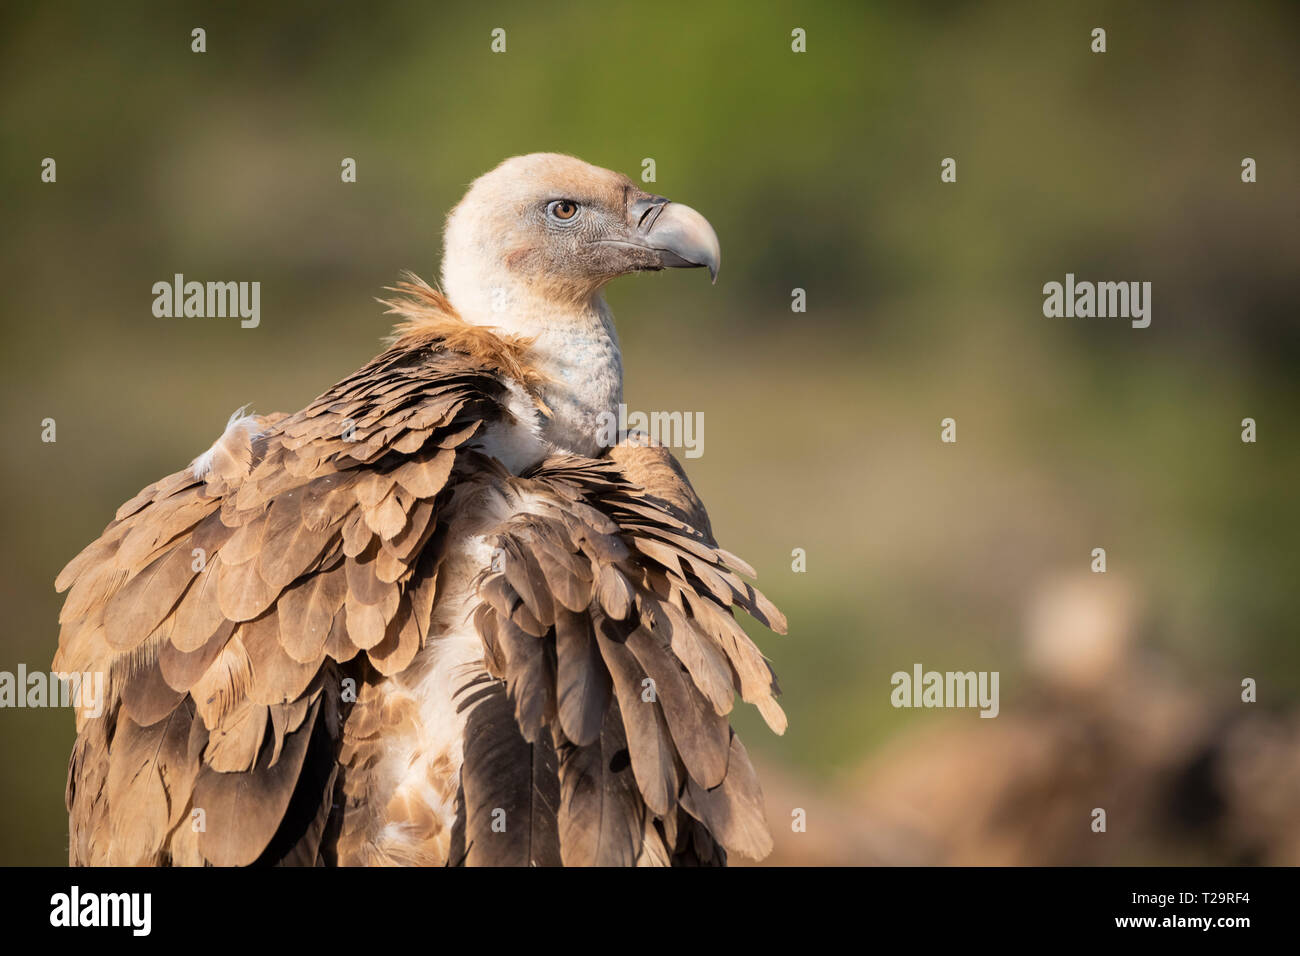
547,231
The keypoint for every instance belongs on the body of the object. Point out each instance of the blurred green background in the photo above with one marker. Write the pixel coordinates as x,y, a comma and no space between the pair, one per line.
819,171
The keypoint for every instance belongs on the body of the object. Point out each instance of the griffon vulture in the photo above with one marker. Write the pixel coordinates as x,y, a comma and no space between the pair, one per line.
429,619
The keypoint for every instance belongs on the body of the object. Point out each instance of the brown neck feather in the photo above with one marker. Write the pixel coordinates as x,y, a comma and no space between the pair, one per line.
427,316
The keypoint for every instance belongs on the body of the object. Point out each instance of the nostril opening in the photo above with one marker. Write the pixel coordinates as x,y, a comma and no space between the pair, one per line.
653,207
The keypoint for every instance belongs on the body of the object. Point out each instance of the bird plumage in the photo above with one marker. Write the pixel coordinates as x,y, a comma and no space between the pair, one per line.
412,624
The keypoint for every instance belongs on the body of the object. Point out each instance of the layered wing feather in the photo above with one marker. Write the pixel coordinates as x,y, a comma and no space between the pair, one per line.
607,618
232,605
227,603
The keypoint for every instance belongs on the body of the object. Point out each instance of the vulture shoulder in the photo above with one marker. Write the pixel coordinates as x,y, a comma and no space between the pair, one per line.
261,617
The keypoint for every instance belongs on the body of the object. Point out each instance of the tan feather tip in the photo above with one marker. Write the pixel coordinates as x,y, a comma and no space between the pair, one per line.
773,715
738,563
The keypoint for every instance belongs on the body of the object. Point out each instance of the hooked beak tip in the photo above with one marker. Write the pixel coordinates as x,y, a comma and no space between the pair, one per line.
685,239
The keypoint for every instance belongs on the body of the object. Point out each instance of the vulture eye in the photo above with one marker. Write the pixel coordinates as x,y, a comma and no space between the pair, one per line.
562,209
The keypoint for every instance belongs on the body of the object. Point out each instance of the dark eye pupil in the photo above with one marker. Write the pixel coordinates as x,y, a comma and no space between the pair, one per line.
565,210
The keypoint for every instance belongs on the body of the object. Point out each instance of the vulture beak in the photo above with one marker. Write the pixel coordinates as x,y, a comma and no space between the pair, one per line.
682,238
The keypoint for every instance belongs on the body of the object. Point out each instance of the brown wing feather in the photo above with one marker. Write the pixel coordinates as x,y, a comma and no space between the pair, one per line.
311,539
632,601
508,805
602,818
226,610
